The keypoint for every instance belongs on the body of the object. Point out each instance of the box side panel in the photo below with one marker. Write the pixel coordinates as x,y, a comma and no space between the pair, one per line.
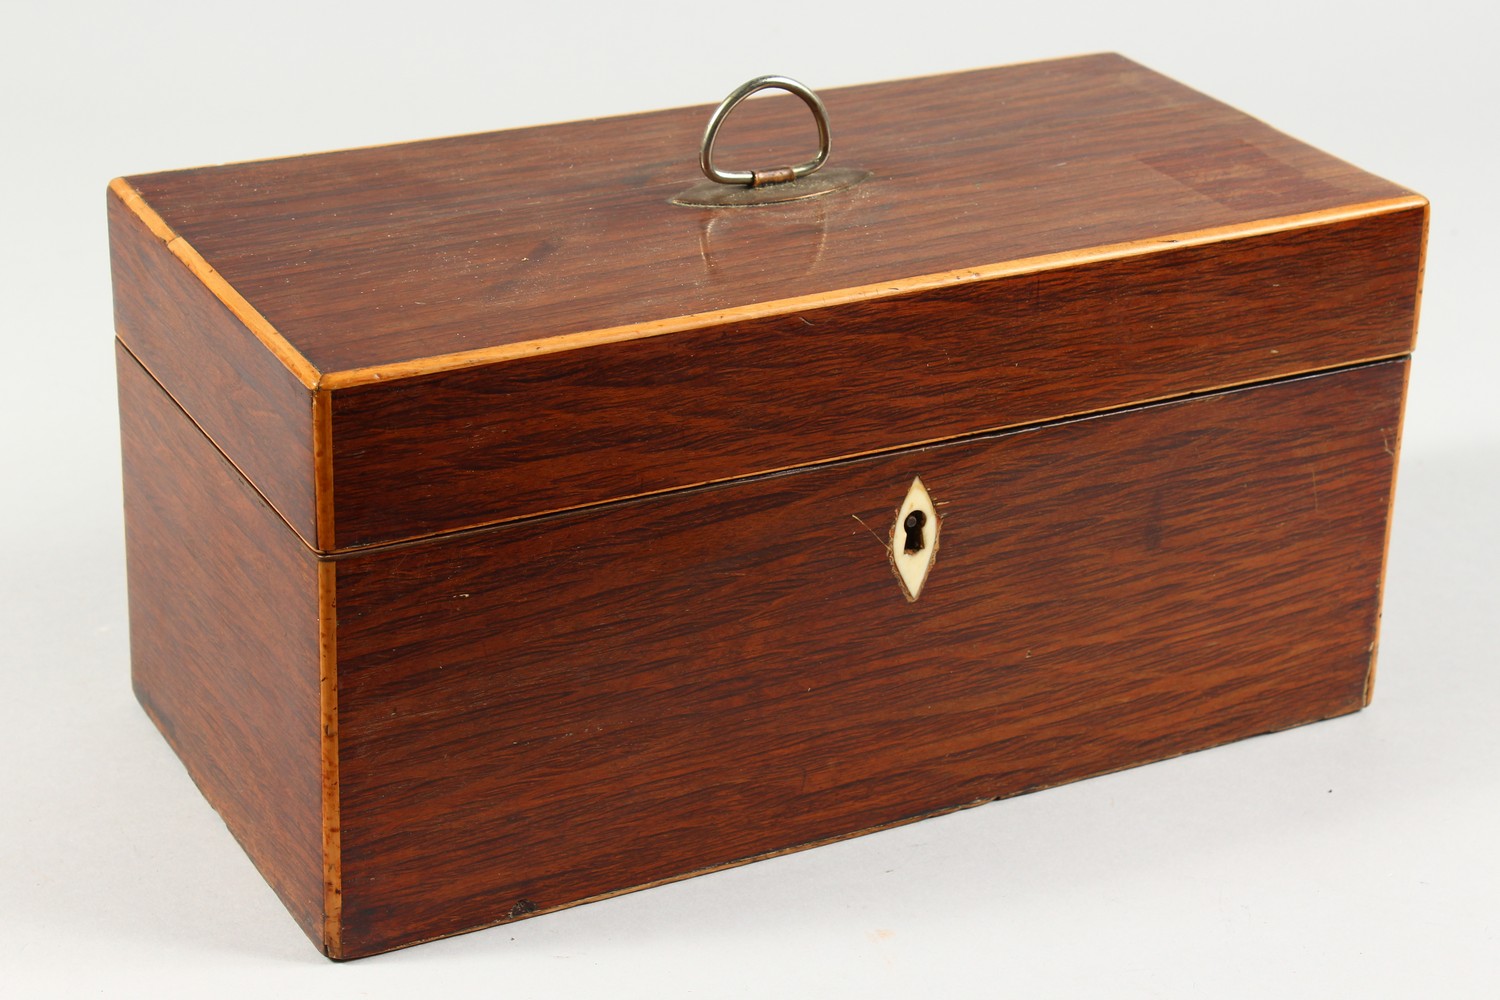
224,639
568,707
246,400
1396,439
464,448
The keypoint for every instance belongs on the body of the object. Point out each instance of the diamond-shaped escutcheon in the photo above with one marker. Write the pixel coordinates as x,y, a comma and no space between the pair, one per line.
914,540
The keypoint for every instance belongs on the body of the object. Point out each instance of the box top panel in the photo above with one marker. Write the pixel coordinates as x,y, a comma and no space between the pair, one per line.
398,260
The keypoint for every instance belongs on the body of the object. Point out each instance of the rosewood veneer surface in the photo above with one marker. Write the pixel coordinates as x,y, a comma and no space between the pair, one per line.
502,536
224,639
554,710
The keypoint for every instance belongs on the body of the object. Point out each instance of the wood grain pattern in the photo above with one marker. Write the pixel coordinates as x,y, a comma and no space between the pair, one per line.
253,407
462,448
895,288
586,587
328,685
550,710
224,639
201,269
417,251
1394,446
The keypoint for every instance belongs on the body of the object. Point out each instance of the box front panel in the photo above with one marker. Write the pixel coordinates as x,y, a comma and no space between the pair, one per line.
572,706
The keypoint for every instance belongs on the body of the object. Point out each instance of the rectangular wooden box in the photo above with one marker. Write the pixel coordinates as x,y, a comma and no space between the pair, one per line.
502,535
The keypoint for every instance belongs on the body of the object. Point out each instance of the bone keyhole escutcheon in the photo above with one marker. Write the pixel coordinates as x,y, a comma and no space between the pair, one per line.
913,525
914,540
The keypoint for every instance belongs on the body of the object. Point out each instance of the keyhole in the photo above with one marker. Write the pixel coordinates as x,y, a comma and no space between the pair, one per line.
913,525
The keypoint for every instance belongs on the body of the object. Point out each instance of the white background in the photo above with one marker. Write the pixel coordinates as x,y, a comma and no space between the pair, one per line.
1352,858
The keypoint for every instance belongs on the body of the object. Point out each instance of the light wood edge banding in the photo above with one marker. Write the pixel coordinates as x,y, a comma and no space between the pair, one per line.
333,889
1416,313
904,286
236,303
322,414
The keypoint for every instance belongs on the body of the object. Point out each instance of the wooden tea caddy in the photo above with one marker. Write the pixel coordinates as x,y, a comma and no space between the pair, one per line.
503,534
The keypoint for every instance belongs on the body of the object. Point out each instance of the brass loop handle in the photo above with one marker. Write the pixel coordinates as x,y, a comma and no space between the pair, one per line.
778,175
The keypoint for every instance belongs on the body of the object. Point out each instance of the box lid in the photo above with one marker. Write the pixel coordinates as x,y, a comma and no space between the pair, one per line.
400,341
